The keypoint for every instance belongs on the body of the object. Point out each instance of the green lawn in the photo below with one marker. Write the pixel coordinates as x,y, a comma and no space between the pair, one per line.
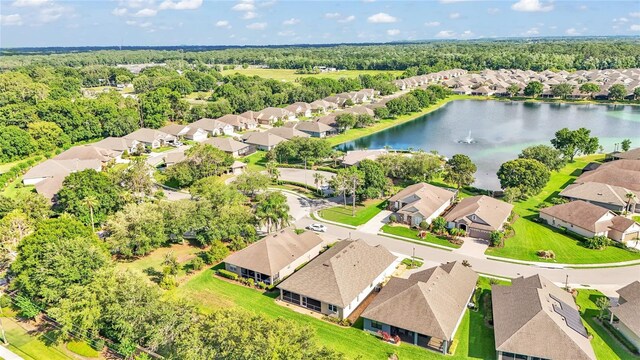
531,236
256,161
290,75
15,187
209,292
604,344
353,134
162,149
151,265
31,347
364,212
413,234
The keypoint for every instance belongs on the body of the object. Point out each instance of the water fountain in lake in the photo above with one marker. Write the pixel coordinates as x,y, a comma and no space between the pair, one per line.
468,139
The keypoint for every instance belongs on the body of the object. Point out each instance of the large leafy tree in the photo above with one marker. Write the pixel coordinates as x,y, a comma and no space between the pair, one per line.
574,142
136,230
617,92
272,210
375,182
562,90
533,89
15,143
202,160
589,88
460,170
47,135
89,183
550,157
251,182
60,253
528,175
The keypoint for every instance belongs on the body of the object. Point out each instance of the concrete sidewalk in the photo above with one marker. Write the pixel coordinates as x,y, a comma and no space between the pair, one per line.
373,226
7,354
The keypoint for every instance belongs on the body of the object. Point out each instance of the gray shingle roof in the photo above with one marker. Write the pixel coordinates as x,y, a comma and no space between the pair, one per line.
491,211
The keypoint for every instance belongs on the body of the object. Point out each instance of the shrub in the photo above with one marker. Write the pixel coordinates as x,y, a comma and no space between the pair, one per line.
496,238
168,282
227,274
424,225
546,254
215,254
335,320
262,285
393,218
5,301
196,264
97,344
597,242
28,309
251,282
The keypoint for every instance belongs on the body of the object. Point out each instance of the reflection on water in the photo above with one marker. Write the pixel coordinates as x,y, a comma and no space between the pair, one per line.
500,130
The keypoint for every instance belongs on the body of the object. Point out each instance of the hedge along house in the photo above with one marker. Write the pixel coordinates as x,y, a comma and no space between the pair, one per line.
274,257
420,202
425,309
341,278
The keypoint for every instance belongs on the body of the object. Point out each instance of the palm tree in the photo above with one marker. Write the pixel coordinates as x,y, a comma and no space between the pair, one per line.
318,179
630,197
272,169
335,155
273,211
91,202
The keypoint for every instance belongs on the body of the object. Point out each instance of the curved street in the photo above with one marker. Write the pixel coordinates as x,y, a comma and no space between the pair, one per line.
607,279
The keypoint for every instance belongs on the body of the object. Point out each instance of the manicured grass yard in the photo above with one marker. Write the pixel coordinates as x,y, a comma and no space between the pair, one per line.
151,265
290,75
31,347
531,236
364,212
256,161
604,345
404,231
210,292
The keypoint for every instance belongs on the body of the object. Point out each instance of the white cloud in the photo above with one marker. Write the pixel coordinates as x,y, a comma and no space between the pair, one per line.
249,15
432,23
532,31
493,11
635,27
291,21
146,12
257,26
223,23
180,5
54,12
467,34
572,31
332,15
635,14
120,11
622,20
11,20
286,33
145,24
445,34
243,6
347,19
29,3
380,18
454,15
532,6
393,32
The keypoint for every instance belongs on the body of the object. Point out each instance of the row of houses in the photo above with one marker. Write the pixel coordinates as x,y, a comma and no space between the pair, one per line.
532,318
496,82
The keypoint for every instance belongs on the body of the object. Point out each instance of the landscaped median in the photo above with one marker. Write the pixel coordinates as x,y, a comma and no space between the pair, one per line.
344,215
399,231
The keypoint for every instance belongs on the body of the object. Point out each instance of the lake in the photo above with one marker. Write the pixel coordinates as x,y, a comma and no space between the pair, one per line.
500,130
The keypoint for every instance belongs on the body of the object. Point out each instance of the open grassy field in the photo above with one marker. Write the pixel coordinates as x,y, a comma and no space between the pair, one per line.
531,236
604,344
364,212
31,347
151,265
475,339
413,234
290,75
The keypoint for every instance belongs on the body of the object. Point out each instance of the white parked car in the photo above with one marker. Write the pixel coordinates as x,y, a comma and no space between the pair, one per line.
317,227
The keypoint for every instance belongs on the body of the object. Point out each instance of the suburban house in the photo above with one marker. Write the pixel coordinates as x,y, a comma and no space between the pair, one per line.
625,316
213,126
151,138
274,257
590,220
300,109
623,173
173,157
338,280
353,158
270,115
535,319
287,132
117,144
88,152
188,132
49,175
479,216
230,146
425,309
315,129
608,196
239,123
633,154
330,119
420,202
263,140
237,168
323,106
360,110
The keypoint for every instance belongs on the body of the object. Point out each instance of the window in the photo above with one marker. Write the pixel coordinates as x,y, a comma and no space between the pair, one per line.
333,308
290,297
232,268
376,325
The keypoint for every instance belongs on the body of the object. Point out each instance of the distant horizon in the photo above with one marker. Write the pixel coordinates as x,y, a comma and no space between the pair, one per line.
206,47
152,23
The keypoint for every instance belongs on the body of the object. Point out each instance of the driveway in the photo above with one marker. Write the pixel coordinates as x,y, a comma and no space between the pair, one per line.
473,248
373,226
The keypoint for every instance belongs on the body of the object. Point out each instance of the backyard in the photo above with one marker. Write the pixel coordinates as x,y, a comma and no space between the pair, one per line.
474,338
151,265
531,236
289,75
364,212
406,232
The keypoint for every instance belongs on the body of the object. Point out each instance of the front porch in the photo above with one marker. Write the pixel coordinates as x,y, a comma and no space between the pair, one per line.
427,342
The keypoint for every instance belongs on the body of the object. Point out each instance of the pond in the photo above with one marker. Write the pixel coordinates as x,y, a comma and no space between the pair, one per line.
492,132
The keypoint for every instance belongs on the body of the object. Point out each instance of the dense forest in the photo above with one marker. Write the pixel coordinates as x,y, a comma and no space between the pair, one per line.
540,54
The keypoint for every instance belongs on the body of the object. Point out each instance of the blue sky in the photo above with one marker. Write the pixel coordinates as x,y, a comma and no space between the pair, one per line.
274,22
